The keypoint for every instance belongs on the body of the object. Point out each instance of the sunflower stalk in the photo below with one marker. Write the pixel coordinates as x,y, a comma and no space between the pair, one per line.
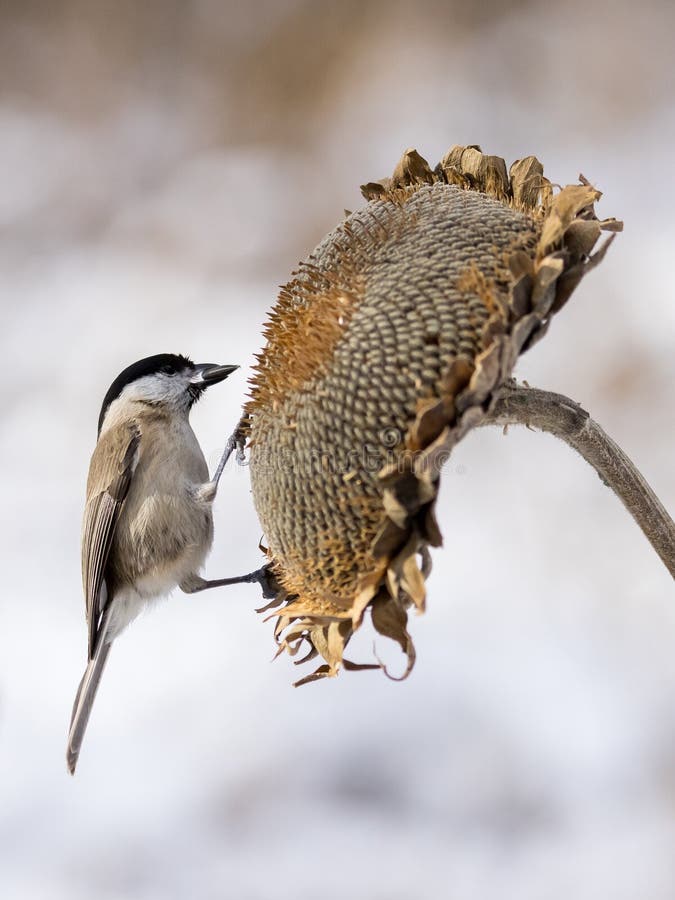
517,404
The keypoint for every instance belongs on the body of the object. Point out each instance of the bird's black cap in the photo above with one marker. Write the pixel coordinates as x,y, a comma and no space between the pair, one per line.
151,365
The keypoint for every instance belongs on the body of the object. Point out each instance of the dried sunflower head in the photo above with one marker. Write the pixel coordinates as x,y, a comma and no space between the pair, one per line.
384,349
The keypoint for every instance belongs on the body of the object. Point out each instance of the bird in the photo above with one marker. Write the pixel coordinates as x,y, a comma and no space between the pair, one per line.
148,523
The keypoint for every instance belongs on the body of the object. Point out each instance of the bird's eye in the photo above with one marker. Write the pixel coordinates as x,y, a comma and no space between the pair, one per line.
168,370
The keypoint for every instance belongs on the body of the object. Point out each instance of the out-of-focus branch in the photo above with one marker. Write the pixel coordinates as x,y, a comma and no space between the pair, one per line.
519,405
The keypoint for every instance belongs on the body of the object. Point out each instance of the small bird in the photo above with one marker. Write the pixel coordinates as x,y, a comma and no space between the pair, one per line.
148,524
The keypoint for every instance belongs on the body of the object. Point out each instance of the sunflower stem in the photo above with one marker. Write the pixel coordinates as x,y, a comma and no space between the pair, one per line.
516,404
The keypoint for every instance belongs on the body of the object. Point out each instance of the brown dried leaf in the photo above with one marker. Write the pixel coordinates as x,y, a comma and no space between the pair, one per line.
430,462
366,590
581,237
565,207
337,638
453,158
412,169
317,675
543,292
430,529
432,416
412,582
526,177
520,263
388,539
495,178
404,575
375,190
536,335
458,376
522,330
394,509
390,620
486,173
521,292
484,378
359,667
273,604
313,652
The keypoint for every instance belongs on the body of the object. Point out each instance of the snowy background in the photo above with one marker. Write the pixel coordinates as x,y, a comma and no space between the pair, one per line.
164,165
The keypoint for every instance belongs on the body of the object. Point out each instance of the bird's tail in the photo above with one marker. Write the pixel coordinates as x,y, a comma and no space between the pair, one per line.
84,699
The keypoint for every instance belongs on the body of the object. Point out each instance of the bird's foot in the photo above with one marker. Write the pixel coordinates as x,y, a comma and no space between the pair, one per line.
195,583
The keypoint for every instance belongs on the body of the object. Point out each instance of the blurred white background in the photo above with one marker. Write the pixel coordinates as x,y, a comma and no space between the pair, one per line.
164,167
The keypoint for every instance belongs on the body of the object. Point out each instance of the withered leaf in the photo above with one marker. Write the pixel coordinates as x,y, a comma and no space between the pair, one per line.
359,667
374,190
412,582
317,675
388,539
581,237
432,532
412,169
390,620
526,181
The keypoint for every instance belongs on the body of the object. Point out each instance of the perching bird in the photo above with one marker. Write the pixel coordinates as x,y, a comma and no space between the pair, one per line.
147,524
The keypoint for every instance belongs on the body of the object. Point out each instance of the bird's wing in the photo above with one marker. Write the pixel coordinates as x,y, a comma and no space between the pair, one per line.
112,468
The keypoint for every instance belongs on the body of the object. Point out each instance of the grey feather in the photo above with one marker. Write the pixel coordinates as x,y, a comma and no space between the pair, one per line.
100,519
84,699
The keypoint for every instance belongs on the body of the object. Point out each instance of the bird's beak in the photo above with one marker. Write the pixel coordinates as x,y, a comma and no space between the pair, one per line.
207,374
